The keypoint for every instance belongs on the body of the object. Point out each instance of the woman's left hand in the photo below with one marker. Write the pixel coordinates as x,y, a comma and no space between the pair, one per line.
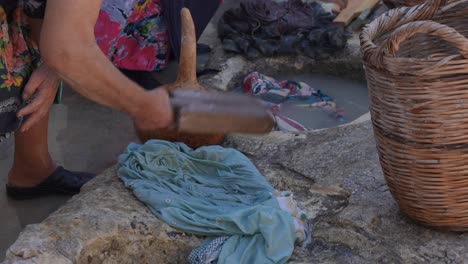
44,82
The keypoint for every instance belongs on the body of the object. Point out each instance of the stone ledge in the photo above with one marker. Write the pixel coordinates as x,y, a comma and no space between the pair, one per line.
334,174
103,224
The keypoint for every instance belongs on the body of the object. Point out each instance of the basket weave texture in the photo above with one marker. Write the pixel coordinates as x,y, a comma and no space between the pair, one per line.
399,3
416,61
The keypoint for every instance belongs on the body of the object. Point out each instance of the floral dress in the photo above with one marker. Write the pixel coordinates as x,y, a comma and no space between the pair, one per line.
132,33
19,56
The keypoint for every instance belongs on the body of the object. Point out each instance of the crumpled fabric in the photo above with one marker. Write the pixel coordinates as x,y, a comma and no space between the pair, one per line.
265,27
209,251
211,191
288,204
300,94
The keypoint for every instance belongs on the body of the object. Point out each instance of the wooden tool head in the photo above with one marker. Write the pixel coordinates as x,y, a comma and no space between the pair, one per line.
186,79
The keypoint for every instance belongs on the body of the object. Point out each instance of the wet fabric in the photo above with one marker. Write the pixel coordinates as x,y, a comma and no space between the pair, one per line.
284,123
264,27
211,191
133,34
19,56
299,94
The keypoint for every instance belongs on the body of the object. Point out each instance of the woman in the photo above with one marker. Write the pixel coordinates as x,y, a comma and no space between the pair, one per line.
29,81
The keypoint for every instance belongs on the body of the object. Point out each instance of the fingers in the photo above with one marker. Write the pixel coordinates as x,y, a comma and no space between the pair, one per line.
36,79
160,91
39,107
35,110
33,106
166,115
33,119
156,112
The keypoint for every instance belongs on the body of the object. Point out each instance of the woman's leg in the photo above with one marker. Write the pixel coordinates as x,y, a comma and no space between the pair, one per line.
34,174
32,162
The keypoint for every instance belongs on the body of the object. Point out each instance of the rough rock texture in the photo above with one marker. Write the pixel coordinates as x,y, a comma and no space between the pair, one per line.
334,174
336,177
103,224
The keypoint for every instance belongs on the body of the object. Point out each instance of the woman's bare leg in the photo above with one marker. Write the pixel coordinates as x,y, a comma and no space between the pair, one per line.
32,162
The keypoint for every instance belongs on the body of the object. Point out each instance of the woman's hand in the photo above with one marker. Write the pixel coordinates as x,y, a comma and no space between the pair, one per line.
156,113
43,84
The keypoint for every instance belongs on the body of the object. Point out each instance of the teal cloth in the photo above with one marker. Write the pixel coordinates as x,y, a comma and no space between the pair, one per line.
212,191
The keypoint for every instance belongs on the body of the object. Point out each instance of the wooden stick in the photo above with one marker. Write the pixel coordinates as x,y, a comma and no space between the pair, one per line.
353,10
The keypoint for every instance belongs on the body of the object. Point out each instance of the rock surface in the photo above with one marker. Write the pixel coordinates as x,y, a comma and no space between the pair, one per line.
334,174
103,224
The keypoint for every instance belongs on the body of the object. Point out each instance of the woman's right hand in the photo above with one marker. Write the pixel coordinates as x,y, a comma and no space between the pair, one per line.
155,113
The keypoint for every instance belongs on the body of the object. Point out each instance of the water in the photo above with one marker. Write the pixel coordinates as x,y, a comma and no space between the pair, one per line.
351,96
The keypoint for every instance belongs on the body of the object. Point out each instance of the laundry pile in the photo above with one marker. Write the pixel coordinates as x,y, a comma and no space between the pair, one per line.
265,27
215,192
299,94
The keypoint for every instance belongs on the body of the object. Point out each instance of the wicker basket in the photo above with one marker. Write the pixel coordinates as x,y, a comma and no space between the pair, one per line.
416,61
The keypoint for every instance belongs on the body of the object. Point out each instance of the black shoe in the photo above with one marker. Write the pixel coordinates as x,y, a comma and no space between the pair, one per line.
143,78
61,181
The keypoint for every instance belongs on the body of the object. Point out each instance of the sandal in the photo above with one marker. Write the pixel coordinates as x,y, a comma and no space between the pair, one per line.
61,181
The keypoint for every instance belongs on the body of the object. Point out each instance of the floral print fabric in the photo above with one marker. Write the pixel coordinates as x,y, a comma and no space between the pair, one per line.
19,56
133,34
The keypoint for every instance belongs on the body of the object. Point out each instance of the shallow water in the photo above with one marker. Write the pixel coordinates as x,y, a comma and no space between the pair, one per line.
351,96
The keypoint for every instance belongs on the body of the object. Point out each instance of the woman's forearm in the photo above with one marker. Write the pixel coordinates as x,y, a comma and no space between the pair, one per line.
68,46
91,74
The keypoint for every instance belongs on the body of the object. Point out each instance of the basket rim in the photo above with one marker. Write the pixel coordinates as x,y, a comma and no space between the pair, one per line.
398,24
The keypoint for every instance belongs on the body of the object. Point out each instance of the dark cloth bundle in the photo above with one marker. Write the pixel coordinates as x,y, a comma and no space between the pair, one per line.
265,27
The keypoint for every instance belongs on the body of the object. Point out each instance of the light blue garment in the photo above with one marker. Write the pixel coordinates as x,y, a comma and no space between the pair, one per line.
212,191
